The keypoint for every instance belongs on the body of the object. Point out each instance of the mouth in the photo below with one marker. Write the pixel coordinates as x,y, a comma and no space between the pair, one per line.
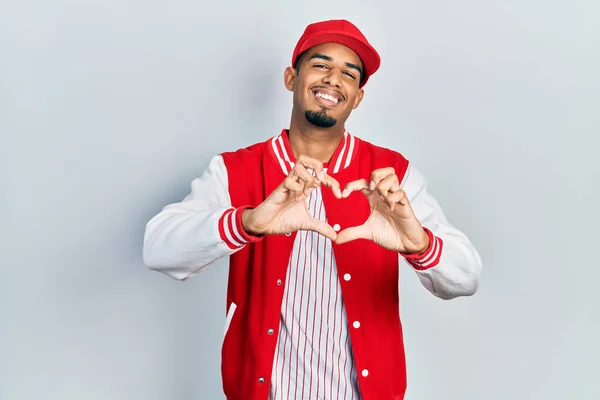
327,98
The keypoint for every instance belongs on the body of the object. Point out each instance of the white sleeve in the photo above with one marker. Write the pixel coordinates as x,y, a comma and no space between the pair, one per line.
451,266
185,237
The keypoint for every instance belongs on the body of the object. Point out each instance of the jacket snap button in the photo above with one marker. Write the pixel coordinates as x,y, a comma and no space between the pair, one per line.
356,324
271,331
365,372
262,380
336,227
347,277
279,282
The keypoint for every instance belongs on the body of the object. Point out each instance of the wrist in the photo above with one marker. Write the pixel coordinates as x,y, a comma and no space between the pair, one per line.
425,244
428,258
247,222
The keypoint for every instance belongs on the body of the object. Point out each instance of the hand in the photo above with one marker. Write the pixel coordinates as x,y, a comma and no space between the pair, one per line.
285,209
392,223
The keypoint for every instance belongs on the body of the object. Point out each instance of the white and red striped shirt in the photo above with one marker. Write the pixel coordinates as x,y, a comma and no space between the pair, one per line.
313,358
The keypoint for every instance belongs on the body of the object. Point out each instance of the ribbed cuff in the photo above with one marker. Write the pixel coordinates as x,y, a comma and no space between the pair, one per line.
430,257
232,231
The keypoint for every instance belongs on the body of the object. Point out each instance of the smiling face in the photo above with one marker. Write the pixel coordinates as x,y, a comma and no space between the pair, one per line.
325,83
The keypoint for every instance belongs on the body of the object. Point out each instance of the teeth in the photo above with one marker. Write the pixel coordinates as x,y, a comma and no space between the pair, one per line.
327,97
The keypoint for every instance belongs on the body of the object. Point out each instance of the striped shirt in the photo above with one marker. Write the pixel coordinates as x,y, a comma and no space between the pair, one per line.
313,357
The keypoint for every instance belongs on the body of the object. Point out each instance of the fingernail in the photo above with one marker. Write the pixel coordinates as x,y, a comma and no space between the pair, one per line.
322,175
372,185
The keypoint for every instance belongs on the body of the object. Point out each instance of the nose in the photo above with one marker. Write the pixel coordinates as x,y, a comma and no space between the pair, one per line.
333,78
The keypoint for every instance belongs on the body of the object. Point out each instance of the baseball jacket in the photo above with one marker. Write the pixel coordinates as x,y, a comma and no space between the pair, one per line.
186,237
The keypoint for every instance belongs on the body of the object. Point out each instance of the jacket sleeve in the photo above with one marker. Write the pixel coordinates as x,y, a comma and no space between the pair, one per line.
451,266
185,237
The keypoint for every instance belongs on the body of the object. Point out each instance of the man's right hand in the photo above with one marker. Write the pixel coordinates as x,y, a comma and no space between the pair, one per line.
285,211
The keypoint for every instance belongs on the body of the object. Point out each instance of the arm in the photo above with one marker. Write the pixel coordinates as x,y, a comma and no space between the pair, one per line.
185,237
451,266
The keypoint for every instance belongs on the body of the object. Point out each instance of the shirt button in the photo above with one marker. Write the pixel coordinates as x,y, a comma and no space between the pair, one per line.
336,227
262,380
288,234
356,324
271,331
365,372
347,277
279,282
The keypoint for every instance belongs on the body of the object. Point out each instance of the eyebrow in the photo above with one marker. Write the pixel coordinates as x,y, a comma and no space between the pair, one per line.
327,58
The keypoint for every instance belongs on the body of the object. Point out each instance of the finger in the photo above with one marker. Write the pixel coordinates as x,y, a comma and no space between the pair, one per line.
305,178
384,186
323,228
311,163
379,174
353,233
333,184
302,174
398,197
291,183
295,185
360,184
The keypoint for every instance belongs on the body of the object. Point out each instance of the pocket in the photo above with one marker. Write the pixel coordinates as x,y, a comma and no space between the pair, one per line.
230,313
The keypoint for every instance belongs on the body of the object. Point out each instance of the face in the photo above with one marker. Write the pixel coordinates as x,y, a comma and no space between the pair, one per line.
326,84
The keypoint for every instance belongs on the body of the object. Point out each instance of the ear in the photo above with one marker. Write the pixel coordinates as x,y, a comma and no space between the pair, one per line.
289,78
361,93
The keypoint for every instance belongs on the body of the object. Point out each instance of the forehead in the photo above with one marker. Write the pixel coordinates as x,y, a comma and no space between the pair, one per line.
338,53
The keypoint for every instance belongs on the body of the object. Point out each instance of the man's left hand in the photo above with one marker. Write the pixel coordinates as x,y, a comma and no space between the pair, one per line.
392,223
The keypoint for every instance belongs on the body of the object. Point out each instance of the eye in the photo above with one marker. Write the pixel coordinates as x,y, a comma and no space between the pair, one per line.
319,66
350,75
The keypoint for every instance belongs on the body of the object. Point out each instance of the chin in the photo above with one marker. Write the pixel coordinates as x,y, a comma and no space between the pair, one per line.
320,119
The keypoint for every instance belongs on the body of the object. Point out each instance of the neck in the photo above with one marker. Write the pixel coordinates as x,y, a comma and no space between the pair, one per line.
311,141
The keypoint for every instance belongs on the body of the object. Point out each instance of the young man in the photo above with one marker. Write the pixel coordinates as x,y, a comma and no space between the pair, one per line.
315,222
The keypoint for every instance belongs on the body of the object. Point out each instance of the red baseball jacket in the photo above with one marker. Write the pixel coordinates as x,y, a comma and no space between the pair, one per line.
186,237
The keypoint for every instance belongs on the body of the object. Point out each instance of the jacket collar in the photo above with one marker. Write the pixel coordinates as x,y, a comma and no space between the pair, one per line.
281,151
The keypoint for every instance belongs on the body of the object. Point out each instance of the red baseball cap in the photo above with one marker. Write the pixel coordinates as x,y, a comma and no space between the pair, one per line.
342,32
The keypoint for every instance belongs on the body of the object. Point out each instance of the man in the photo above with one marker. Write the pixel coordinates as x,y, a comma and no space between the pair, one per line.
315,222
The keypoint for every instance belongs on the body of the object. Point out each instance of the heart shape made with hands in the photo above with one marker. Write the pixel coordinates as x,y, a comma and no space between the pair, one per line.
391,222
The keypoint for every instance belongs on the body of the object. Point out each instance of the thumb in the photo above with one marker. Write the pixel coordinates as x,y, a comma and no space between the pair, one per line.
323,228
353,233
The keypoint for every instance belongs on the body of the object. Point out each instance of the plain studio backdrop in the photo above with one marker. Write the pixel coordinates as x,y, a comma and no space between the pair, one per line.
108,110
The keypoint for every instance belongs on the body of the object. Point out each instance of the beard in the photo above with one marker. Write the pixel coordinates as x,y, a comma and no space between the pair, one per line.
320,119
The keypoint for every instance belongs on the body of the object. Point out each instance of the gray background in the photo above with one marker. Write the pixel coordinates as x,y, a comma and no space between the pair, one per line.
108,109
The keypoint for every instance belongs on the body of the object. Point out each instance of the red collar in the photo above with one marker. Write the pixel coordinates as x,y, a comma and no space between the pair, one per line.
280,149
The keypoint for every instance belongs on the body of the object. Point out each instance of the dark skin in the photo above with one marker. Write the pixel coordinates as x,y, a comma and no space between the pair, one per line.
325,84
329,67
